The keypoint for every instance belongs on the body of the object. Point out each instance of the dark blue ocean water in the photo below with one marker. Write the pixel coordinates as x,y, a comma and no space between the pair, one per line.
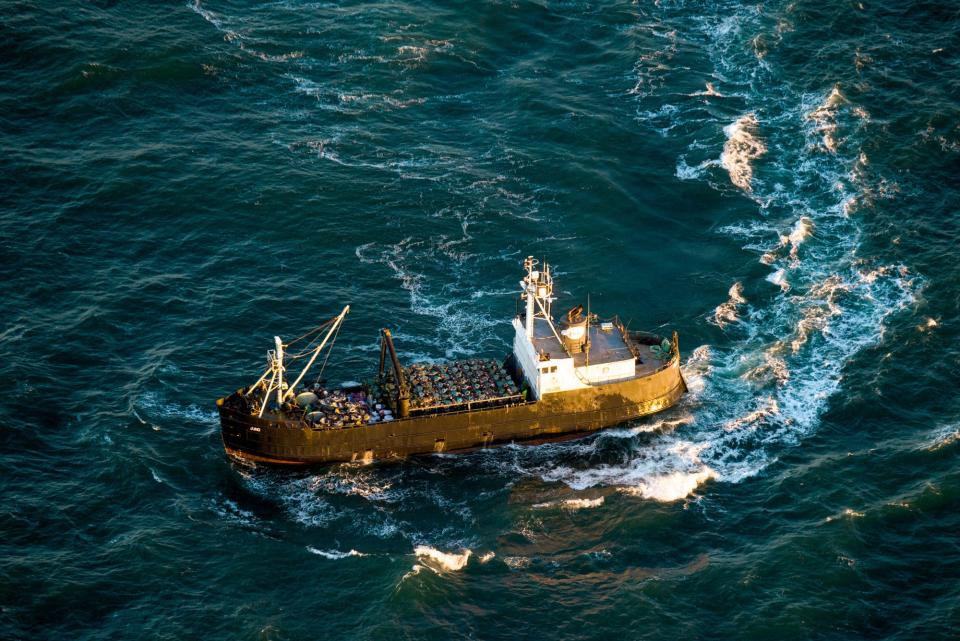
778,181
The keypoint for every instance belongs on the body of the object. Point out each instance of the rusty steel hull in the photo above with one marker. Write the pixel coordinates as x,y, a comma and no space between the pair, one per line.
555,416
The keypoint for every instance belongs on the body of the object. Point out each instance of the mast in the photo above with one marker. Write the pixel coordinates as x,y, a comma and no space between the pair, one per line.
276,368
336,323
279,367
275,379
537,289
529,285
588,329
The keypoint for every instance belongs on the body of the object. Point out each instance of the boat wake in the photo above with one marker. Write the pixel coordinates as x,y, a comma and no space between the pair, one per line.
800,159
812,301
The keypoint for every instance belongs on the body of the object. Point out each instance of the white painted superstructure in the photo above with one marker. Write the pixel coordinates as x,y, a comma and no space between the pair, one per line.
539,348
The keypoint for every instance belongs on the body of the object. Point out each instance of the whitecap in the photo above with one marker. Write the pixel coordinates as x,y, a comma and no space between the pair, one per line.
666,474
572,504
334,554
726,313
779,278
516,562
434,559
824,118
710,90
846,513
944,437
668,488
742,147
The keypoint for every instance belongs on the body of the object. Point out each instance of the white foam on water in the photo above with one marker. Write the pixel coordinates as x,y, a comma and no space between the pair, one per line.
486,557
671,487
154,406
742,147
665,475
801,231
354,481
334,555
652,424
415,54
686,172
779,278
300,497
944,437
230,511
696,370
928,324
710,90
351,100
726,313
824,118
464,329
847,513
438,561
414,571
767,388
768,408
571,504
236,36
516,562
659,46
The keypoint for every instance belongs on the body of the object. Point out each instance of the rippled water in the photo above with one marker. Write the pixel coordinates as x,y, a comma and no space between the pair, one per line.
776,181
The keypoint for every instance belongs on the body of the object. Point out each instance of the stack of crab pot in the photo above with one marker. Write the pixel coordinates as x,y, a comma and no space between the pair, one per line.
460,382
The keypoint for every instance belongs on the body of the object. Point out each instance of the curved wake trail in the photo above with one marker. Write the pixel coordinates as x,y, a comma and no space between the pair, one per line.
799,158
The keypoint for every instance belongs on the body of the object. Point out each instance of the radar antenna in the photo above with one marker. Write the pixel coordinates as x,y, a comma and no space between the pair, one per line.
537,288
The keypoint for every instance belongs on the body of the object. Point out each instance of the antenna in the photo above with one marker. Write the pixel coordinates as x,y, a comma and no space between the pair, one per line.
588,329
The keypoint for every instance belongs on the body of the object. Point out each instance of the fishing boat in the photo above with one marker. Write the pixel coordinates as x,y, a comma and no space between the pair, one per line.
563,379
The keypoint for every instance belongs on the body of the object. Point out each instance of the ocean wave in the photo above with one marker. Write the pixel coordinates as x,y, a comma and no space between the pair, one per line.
944,437
517,562
334,555
767,388
650,67
156,407
648,475
440,562
670,487
824,117
847,513
742,147
571,504
726,313
221,24
459,319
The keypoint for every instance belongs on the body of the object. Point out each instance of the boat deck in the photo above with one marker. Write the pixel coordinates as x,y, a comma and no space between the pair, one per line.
606,346
647,363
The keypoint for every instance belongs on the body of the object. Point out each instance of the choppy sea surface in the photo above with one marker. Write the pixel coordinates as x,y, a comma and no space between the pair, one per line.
777,181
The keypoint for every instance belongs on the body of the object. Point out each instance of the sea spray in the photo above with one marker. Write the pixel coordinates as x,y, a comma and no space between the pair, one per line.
439,561
743,146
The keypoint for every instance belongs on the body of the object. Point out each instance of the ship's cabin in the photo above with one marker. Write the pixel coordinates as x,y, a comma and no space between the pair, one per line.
581,351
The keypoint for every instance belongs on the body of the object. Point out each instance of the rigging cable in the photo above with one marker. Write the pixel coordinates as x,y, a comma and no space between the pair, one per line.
327,357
